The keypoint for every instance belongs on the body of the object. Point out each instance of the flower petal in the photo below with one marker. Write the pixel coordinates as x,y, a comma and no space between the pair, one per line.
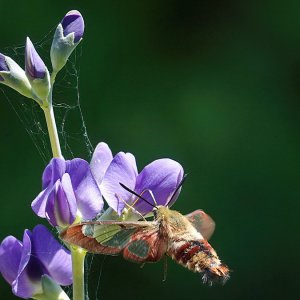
24,287
162,177
102,157
10,257
54,170
88,195
73,22
67,208
38,205
61,206
121,170
29,272
55,259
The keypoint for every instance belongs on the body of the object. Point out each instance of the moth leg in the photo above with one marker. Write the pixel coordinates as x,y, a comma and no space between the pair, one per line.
151,194
142,265
165,268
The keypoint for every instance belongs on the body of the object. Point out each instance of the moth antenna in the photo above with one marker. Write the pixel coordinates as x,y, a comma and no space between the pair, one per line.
131,207
178,187
136,194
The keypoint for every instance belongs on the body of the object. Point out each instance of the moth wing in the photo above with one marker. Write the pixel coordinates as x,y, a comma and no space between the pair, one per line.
202,222
146,246
103,237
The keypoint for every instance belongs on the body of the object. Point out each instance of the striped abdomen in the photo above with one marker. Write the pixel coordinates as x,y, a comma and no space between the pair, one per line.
199,256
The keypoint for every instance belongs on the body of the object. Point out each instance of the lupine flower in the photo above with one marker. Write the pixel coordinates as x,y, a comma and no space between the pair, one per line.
69,188
12,75
35,264
162,177
36,71
67,36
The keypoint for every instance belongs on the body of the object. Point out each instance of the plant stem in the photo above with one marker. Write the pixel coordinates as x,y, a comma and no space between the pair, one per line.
78,255
52,130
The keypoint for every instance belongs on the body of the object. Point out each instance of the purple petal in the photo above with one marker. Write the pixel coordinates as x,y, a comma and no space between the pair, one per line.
25,288
10,257
121,170
61,205
3,64
77,169
38,205
26,253
88,195
34,66
67,208
73,22
101,159
54,170
55,259
162,177
27,281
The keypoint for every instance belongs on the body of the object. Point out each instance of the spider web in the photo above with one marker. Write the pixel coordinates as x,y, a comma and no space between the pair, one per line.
70,123
72,130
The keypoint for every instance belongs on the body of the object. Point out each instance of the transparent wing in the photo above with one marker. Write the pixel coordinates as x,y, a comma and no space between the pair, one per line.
202,222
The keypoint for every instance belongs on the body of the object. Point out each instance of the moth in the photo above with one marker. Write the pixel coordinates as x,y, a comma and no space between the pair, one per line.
182,237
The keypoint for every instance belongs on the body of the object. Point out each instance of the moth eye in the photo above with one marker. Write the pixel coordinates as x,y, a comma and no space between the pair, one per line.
155,213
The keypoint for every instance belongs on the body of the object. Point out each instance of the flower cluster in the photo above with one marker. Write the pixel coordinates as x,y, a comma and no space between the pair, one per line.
73,190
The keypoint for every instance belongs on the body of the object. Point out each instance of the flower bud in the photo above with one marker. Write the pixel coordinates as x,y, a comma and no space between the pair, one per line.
36,71
67,36
12,75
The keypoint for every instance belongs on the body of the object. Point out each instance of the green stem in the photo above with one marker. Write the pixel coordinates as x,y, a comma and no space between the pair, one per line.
78,255
52,130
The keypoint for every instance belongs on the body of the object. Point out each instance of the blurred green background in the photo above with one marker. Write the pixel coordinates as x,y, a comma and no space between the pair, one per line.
214,85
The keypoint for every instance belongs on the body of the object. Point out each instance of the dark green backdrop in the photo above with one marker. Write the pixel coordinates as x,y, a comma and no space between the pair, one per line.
212,84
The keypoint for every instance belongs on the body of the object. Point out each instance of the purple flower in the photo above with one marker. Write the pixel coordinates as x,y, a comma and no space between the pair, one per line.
68,186
73,23
161,177
34,66
3,65
23,264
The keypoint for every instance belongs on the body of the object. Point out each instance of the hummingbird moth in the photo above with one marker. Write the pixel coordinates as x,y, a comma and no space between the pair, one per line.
183,238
